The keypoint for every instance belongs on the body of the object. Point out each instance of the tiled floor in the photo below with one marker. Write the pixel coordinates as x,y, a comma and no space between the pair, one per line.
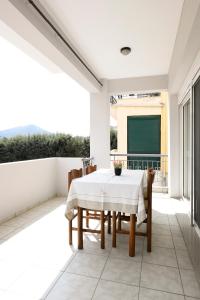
37,263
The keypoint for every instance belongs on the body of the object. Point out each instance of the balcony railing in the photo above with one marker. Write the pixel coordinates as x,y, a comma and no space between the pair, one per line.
144,161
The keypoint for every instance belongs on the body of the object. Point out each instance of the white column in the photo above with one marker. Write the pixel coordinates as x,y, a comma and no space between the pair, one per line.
100,127
174,147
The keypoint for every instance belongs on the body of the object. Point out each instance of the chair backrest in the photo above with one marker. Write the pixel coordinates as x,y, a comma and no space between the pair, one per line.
75,173
90,169
150,180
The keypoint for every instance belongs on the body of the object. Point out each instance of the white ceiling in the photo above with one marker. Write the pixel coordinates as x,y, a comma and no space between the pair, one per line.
98,29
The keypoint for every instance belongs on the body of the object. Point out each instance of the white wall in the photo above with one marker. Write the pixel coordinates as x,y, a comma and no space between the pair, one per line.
63,166
186,46
100,127
150,83
183,67
24,184
174,147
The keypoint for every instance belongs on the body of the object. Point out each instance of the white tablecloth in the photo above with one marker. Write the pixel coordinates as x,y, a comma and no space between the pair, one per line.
102,190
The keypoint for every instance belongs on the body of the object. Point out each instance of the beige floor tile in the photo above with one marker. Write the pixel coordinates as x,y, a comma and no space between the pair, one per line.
54,258
107,290
122,251
190,284
5,230
73,287
176,231
160,219
14,222
173,220
189,298
160,229
121,270
139,241
147,294
157,212
34,282
124,239
12,233
16,296
87,264
10,271
162,241
94,246
25,258
179,243
183,258
141,227
161,256
161,278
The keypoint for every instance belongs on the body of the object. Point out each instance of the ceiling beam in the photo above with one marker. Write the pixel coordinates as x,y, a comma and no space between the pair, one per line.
138,84
27,22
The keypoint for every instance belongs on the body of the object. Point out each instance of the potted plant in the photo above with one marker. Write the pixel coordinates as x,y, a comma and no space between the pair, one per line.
118,167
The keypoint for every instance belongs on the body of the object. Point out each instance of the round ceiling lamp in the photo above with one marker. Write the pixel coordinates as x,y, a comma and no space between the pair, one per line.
125,50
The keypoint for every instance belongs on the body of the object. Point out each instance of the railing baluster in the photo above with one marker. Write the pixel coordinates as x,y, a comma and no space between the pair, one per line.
158,162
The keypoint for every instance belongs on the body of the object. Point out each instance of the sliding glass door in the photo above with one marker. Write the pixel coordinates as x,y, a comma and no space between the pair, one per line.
196,145
187,150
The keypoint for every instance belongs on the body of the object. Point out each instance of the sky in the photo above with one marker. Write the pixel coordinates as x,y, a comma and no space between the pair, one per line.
30,93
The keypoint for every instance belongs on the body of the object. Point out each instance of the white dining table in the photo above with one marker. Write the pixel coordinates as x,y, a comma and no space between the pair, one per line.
103,190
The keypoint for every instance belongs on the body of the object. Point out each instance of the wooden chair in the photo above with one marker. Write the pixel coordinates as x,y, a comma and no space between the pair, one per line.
95,214
89,169
148,207
73,174
76,174
132,219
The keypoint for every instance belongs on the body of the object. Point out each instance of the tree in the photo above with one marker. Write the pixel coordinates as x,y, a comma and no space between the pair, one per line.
21,148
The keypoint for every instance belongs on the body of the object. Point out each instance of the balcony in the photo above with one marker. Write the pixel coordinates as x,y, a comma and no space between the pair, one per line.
36,261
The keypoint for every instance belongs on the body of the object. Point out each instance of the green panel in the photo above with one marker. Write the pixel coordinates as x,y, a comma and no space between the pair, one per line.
143,137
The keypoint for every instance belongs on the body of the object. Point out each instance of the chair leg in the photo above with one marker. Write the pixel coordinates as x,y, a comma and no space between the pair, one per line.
70,232
149,232
87,218
109,222
132,235
102,230
114,229
119,221
80,228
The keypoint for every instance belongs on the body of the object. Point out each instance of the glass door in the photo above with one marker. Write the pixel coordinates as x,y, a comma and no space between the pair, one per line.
196,152
187,150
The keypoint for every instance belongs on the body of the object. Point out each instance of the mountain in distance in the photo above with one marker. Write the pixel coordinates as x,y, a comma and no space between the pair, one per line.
22,130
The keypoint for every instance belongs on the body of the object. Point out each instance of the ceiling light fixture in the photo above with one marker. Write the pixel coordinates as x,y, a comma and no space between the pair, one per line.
125,50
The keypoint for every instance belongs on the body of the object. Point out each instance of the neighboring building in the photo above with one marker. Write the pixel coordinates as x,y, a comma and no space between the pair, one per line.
142,128
147,114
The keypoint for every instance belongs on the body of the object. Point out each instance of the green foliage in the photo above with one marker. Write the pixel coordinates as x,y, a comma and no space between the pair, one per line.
42,146
113,139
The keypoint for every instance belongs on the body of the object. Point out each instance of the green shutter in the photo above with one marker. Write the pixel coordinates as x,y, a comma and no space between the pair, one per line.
143,137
